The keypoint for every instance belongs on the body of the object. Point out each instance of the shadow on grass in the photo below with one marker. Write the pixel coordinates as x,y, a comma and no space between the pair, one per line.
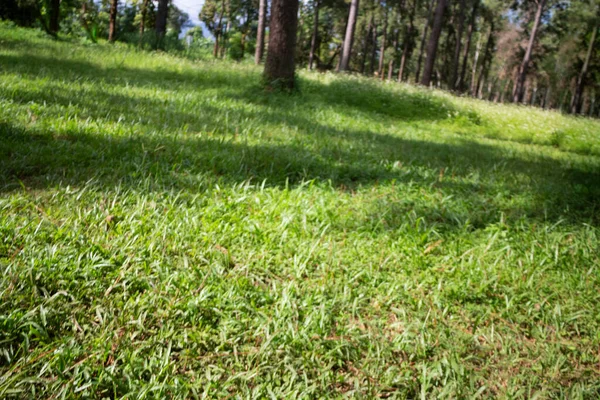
193,164
344,158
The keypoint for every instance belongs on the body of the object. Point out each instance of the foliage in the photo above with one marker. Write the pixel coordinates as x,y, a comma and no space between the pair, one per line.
169,231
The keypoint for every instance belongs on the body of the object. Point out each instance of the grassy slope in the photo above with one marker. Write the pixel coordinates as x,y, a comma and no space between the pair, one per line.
168,230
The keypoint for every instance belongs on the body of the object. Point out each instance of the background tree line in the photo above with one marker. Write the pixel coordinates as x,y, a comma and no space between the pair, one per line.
538,52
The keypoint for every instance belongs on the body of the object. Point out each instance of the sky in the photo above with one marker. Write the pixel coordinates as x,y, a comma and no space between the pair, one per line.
192,7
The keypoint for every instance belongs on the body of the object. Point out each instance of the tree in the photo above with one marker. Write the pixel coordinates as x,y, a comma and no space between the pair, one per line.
576,103
212,14
408,42
519,88
428,23
315,34
112,20
260,34
280,66
143,20
54,16
161,18
433,42
349,36
472,26
383,45
458,44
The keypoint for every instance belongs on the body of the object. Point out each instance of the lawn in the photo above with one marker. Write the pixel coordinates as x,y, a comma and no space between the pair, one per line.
170,230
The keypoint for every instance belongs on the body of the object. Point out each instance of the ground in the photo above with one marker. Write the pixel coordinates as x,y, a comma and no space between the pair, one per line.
170,230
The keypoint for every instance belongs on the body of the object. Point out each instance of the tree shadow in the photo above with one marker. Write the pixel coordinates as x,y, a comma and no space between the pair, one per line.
208,151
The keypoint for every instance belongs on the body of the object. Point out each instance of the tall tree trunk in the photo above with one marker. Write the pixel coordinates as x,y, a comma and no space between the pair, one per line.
407,45
487,56
349,37
519,88
373,48
547,98
161,19
315,35
506,86
391,62
143,21
280,66
54,16
472,88
432,46
216,45
112,20
366,45
576,103
424,39
463,71
260,34
383,44
458,45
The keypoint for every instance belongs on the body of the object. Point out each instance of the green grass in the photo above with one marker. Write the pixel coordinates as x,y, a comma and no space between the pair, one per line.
168,230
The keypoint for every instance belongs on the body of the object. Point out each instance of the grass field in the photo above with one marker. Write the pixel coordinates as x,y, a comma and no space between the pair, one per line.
169,230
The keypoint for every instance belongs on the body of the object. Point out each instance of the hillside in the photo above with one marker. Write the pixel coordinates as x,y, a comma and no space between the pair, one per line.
169,230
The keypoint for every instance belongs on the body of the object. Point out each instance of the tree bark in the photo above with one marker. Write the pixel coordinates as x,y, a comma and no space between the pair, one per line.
519,88
383,44
279,65
463,71
487,56
576,103
424,39
366,45
373,48
433,42
349,37
315,35
112,20
143,21
260,34
161,17
54,16
458,45
407,46
472,88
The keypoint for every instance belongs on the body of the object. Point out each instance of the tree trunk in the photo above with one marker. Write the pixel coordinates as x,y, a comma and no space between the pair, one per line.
373,48
432,46
391,62
383,44
161,17
260,34
424,39
487,56
143,21
576,103
458,46
315,35
366,45
349,37
463,71
54,16
547,98
506,86
112,20
280,66
407,45
519,88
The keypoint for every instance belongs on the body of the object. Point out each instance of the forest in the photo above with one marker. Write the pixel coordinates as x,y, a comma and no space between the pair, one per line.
280,199
537,52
